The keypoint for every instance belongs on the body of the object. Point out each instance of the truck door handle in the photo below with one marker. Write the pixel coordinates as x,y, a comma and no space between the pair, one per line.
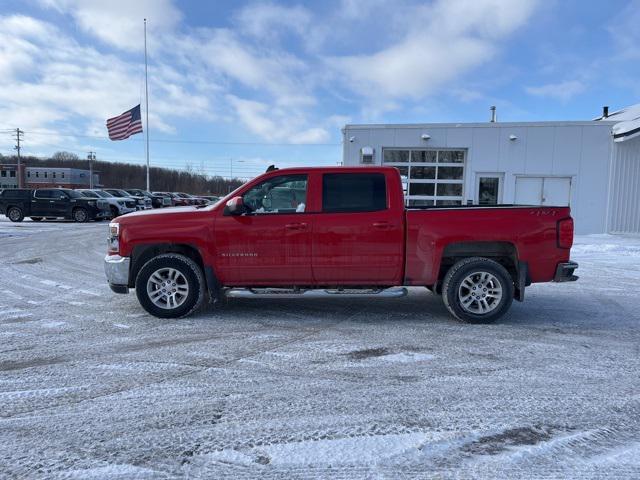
296,226
382,225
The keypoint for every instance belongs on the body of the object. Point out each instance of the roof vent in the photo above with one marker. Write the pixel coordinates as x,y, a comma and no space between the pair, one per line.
493,114
605,111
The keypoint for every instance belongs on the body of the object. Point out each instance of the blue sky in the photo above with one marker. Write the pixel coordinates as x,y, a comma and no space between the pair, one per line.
241,85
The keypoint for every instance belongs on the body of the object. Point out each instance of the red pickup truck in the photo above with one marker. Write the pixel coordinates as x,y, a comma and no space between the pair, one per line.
332,232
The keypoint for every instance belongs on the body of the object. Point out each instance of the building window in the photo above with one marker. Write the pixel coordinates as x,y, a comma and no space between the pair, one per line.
29,174
12,173
431,177
45,174
4,173
37,174
54,174
62,174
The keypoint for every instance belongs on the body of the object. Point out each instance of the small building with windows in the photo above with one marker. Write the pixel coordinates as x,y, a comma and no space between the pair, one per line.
46,177
592,166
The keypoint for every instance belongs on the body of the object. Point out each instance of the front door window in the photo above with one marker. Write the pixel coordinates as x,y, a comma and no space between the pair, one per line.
284,194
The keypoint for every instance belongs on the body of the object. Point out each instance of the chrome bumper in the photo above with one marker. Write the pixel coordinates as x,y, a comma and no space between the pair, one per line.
116,268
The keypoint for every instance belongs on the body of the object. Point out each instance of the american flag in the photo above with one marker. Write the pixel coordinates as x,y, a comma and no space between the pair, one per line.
125,125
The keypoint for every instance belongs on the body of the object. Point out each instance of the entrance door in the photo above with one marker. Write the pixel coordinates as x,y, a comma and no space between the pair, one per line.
552,191
489,188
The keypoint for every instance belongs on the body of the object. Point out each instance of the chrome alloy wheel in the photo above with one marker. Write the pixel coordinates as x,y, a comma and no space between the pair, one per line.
167,288
480,293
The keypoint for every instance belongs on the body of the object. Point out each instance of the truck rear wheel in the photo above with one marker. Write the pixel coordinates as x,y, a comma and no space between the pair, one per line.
170,286
477,290
15,214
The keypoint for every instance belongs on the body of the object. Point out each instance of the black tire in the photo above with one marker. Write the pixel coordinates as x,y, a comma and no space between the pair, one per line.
194,280
80,215
114,211
15,214
36,219
453,282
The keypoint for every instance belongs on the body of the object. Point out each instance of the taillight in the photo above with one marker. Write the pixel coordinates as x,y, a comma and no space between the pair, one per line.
565,233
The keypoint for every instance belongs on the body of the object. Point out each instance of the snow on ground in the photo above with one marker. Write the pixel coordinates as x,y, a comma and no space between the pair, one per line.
93,387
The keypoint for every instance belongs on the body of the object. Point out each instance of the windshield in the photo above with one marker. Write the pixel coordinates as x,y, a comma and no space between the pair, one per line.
103,194
88,193
73,193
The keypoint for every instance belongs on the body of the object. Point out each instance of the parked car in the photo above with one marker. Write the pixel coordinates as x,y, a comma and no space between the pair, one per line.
157,201
51,203
190,199
176,200
142,203
336,231
167,198
210,198
117,206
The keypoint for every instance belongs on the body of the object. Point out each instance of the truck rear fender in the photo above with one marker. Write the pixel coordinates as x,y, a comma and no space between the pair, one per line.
504,253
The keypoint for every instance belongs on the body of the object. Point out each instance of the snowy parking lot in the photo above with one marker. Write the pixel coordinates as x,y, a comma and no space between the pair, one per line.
93,387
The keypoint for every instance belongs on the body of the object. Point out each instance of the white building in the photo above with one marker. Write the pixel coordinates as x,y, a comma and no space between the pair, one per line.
593,166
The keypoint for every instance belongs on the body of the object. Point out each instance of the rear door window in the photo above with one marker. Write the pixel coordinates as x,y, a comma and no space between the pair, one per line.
44,194
354,192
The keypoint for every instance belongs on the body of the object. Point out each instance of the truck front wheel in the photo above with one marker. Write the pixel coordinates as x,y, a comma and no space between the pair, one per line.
477,290
15,214
170,286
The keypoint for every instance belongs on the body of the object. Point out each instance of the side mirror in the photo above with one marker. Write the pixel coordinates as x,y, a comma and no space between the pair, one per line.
235,206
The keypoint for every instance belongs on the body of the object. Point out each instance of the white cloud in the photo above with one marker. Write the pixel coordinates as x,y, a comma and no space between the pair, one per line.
267,21
120,22
276,124
66,82
443,41
625,32
563,91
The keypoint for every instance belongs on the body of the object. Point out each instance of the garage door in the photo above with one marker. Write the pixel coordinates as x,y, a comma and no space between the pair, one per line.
543,191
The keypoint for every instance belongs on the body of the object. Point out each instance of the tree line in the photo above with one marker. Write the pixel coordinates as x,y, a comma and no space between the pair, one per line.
127,175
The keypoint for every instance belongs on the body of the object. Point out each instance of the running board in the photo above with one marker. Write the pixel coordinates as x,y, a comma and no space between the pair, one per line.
394,292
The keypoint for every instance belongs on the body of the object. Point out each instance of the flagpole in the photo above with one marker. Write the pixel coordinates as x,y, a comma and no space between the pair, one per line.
146,91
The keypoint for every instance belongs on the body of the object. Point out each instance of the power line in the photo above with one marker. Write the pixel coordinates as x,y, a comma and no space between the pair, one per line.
192,141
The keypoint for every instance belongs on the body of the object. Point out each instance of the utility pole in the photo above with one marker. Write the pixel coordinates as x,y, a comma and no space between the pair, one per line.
19,134
91,157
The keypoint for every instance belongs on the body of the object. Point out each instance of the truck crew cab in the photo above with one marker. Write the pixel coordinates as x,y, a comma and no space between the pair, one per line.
51,203
331,232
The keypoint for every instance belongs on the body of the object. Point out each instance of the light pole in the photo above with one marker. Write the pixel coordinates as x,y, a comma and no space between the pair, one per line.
91,157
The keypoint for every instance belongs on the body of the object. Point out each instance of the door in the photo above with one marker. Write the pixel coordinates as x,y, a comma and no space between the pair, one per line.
357,238
552,191
270,245
60,204
489,188
556,191
42,203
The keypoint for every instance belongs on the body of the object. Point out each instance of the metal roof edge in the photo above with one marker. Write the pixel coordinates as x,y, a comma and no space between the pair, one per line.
593,123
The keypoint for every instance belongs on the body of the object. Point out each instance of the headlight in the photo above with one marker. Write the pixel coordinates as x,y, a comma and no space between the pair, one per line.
92,203
121,202
113,242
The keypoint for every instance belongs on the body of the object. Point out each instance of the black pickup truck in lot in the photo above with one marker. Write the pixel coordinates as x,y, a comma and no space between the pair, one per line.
51,203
